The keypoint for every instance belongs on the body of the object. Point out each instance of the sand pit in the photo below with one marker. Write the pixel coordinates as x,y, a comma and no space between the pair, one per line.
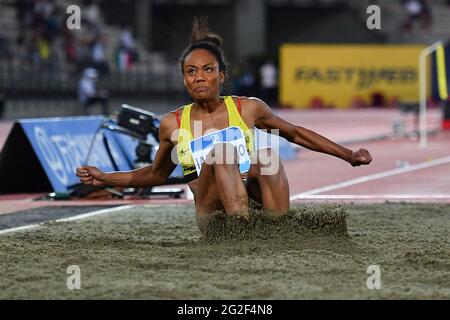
315,252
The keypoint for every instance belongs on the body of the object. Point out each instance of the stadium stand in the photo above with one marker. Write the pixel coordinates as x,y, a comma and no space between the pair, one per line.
34,88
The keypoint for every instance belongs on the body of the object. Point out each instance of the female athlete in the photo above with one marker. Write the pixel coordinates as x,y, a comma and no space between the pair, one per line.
218,171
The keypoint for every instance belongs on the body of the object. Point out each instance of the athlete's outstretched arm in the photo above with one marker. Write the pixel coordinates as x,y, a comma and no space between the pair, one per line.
151,175
266,119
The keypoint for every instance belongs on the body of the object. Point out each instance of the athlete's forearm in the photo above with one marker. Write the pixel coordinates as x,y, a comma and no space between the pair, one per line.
314,141
139,178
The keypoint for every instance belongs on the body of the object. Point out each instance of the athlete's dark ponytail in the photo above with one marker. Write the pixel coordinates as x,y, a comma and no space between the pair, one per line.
202,38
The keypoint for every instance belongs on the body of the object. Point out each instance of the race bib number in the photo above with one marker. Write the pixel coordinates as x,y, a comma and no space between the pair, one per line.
201,146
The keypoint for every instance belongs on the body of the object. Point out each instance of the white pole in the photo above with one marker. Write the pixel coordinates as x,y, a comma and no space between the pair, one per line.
423,92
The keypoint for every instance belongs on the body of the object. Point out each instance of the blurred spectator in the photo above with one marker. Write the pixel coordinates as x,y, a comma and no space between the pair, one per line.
41,49
91,13
126,39
358,102
316,103
377,99
98,58
70,46
44,8
53,22
88,94
417,10
269,83
126,54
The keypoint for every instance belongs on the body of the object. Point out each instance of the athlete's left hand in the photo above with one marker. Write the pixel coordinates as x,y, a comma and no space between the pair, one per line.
360,157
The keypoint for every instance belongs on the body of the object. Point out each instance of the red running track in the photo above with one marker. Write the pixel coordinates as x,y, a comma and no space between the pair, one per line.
429,184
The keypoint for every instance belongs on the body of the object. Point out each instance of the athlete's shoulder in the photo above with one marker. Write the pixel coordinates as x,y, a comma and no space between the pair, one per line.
247,101
252,105
168,122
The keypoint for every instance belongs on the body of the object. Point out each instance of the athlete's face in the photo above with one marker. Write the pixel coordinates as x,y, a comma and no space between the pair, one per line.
202,77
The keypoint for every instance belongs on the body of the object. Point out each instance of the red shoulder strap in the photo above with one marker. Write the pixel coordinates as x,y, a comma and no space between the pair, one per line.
239,104
178,117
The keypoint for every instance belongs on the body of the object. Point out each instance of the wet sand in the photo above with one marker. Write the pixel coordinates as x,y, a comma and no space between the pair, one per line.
314,252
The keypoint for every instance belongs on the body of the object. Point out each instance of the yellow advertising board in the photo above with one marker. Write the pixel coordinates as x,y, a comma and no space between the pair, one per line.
342,75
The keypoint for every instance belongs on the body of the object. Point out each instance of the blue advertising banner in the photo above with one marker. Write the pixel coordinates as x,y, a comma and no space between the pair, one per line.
62,144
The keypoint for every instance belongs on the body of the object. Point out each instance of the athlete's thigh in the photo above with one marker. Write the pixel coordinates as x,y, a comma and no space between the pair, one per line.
207,197
267,185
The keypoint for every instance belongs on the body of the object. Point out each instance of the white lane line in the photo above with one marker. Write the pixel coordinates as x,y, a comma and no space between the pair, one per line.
371,177
30,226
95,213
375,196
77,217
